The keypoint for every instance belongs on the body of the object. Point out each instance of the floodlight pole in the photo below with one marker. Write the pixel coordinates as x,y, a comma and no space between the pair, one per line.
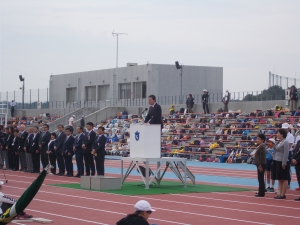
23,92
181,85
116,34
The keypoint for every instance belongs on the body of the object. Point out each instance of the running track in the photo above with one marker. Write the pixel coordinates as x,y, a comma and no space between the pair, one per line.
68,206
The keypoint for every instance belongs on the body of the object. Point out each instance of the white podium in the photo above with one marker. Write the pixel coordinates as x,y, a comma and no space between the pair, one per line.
145,141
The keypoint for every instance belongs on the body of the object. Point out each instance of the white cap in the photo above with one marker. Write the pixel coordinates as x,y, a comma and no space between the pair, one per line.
82,117
204,90
143,206
272,140
298,124
74,116
285,126
1,183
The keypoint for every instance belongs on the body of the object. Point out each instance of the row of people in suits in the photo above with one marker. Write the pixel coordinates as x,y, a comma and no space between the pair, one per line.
56,148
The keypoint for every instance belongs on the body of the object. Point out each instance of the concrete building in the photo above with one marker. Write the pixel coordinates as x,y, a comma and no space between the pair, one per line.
134,82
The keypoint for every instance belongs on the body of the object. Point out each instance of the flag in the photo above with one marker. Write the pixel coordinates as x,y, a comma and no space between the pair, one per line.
25,199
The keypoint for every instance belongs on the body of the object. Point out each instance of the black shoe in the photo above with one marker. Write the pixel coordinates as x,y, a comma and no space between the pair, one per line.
70,175
14,170
259,195
87,174
297,199
92,174
280,197
60,174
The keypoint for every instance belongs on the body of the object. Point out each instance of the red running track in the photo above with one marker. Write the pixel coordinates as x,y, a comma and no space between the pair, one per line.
68,206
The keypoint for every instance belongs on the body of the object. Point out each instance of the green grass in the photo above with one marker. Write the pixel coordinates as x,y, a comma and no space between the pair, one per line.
166,187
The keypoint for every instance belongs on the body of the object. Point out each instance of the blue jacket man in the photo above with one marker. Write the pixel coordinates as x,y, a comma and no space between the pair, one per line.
68,151
99,151
58,148
78,150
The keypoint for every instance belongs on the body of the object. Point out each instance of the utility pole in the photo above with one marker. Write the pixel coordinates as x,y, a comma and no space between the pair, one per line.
22,79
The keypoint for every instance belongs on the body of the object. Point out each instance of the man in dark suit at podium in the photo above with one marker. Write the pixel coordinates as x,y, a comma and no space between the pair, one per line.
154,113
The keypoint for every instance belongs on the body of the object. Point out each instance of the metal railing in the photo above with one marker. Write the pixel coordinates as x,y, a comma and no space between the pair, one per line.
39,99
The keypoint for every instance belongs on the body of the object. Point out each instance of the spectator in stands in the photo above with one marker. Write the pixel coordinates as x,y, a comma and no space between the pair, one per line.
12,108
226,100
27,151
2,144
78,150
87,146
205,97
35,150
269,160
155,113
172,109
293,98
290,138
44,140
82,122
58,148
51,152
296,163
22,140
142,212
68,152
280,168
190,103
71,122
260,162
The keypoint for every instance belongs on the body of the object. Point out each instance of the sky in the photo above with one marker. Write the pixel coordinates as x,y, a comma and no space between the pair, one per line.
248,38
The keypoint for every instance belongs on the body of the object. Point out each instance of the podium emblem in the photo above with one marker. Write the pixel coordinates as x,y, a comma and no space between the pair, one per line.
137,136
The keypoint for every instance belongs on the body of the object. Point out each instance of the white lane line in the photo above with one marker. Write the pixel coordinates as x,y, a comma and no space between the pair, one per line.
169,210
247,203
106,211
176,202
220,193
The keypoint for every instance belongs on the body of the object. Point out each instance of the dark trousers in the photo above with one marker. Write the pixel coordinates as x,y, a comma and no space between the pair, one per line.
297,168
79,162
44,158
36,162
100,165
53,163
12,111
225,107
69,164
205,108
23,160
60,163
16,162
89,162
10,159
261,182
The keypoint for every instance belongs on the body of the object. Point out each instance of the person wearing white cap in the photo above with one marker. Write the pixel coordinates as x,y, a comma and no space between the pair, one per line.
205,101
290,138
71,122
142,212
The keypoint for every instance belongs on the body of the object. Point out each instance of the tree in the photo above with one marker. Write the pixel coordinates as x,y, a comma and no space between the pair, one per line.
272,93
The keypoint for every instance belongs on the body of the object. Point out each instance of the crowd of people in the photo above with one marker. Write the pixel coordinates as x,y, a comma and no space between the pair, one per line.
24,148
275,157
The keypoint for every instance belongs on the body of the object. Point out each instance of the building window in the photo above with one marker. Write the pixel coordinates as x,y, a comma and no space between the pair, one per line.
72,94
103,92
124,91
140,89
90,93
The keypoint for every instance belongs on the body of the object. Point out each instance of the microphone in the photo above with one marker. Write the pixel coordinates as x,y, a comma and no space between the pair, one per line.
145,110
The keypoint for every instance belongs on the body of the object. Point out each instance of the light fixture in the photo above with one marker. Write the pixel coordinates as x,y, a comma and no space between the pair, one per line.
125,79
90,82
137,78
103,81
